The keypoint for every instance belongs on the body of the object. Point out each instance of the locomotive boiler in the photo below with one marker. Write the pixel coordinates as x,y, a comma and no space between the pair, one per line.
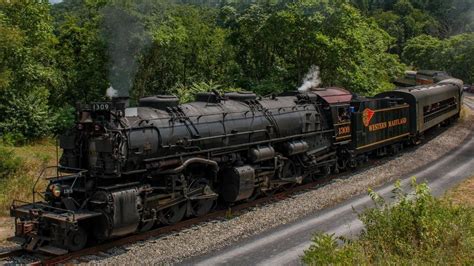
126,169
131,168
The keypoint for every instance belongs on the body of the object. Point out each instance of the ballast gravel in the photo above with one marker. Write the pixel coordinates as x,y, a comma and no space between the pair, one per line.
213,235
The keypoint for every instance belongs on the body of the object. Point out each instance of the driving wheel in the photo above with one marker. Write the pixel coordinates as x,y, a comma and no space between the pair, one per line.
172,214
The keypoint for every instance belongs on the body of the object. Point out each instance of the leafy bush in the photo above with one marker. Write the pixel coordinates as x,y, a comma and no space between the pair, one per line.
12,139
419,229
63,119
9,163
25,114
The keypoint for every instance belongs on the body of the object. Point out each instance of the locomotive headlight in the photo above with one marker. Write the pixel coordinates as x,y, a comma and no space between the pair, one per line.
97,127
56,190
80,126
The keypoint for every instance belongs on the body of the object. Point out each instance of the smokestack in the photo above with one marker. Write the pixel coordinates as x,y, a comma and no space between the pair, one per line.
117,100
121,100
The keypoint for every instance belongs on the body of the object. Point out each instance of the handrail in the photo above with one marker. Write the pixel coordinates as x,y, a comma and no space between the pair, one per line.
37,180
58,170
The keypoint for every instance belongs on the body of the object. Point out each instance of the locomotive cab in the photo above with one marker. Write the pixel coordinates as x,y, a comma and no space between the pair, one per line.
336,103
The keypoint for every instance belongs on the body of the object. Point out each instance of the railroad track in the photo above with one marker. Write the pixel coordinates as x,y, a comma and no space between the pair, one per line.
12,253
221,213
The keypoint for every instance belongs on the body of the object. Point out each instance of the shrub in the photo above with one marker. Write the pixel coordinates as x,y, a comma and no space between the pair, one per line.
418,229
63,119
9,163
13,139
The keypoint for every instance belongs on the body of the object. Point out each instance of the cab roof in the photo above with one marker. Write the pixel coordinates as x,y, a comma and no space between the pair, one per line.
333,95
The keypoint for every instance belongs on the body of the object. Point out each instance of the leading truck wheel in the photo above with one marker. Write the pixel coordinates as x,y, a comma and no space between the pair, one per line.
76,240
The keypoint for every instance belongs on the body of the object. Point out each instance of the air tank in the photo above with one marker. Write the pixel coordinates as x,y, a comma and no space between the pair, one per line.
295,147
261,154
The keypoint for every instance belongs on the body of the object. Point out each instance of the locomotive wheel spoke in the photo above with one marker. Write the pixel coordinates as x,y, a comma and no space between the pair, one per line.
172,214
200,207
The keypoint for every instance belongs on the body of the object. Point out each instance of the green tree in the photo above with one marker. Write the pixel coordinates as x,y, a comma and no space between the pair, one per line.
453,55
457,57
82,58
28,68
187,46
277,45
422,52
403,22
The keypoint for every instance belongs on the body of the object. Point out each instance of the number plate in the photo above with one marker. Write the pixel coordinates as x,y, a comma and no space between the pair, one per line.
100,106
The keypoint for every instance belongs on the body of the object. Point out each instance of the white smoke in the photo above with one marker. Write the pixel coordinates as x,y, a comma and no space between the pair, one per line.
126,39
311,80
111,92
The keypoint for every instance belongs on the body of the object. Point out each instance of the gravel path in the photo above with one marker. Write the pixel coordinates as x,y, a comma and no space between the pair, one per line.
217,234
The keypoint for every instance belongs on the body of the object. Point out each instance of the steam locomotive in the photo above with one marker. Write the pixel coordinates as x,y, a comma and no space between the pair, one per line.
126,169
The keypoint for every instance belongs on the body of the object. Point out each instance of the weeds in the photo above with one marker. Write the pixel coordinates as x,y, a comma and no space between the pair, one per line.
10,164
418,229
19,169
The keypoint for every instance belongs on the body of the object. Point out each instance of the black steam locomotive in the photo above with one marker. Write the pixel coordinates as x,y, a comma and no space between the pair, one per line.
127,169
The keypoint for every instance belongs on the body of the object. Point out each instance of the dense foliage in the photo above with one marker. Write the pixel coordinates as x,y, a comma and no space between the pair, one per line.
27,68
418,229
454,54
53,56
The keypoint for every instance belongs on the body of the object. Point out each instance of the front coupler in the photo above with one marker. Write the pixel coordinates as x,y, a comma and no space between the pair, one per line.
40,227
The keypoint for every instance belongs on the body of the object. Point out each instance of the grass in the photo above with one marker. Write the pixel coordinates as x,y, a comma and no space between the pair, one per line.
418,230
29,161
462,194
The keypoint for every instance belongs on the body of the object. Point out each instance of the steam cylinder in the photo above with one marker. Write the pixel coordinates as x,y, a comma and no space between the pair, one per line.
238,184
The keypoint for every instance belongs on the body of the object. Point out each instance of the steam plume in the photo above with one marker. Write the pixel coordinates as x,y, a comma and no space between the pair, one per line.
111,92
126,38
311,80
